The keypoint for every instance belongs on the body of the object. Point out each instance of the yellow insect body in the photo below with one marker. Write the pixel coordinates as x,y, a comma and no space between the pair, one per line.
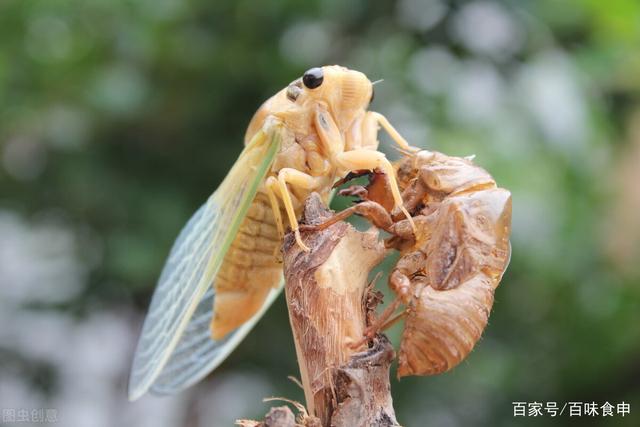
249,269
223,272
318,125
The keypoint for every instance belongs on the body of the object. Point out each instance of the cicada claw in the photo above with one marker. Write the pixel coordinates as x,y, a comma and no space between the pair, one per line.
299,241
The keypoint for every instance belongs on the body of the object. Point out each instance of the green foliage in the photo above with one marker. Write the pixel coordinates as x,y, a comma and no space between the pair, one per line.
118,118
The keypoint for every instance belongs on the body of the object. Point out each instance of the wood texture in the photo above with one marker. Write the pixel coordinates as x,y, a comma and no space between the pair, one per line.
325,290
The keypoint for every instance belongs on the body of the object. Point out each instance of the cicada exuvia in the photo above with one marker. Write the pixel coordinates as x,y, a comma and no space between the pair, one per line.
452,255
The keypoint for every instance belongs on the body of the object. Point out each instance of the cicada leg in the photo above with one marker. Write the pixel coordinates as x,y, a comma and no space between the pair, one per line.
371,123
369,159
360,158
393,320
299,179
382,322
271,186
403,283
373,211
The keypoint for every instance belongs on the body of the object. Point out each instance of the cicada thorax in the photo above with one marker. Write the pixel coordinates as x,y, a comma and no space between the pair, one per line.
464,223
318,119
252,266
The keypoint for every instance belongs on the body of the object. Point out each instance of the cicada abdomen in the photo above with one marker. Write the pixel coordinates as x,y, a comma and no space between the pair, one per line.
442,327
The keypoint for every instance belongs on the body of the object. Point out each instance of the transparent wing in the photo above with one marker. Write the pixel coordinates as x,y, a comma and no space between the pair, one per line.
197,353
195,259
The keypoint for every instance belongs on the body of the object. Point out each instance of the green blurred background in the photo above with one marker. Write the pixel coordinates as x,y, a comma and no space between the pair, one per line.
119,117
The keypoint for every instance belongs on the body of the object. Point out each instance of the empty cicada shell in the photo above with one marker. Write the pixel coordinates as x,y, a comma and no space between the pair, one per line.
460,252
453,254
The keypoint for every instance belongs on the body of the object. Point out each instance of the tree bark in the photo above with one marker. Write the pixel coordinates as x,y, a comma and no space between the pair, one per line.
326,291
329,304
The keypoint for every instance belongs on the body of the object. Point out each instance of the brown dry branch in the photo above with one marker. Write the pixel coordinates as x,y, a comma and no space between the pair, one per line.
326,291
279,416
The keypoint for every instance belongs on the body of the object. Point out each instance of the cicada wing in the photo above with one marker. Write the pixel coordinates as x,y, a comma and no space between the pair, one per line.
195,259
197,353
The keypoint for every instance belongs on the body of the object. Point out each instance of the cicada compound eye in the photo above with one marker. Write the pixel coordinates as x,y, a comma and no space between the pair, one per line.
313,78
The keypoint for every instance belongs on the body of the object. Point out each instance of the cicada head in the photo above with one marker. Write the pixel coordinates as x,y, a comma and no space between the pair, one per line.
345,93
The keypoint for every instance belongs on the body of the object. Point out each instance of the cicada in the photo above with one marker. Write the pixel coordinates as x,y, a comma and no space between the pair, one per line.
222,272
452,257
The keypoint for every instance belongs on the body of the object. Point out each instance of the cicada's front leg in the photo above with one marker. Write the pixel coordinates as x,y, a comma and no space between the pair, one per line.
356,159
272,190
278,185
371,123
369,159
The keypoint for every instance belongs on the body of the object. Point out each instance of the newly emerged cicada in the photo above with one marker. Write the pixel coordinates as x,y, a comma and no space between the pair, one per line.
452,257
223,272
